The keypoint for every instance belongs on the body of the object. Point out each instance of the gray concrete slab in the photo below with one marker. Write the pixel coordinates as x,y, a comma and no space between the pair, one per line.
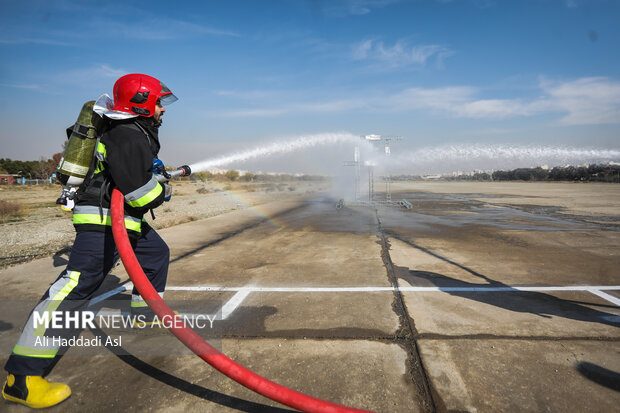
517,314
488,351
334,370
292,254
283,258
271,333
480,351
512,257
523,375
315,315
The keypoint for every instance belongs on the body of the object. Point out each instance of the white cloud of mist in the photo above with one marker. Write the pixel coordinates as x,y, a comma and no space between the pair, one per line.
332,154
22,86
451,158
277,148
585,101
399,55
34,40
90,22
156,29
339,8
590,100
86,77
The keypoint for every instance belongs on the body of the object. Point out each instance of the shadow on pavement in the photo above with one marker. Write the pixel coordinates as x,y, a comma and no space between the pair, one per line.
537,303
187,387
178,383
61,258
600,375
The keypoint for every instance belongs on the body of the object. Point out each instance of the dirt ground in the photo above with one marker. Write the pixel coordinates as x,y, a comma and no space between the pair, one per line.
483,297
41,228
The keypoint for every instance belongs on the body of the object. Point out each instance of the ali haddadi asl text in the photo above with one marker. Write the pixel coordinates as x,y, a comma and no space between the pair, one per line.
43,341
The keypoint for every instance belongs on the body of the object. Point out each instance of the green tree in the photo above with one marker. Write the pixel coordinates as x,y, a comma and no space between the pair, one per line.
44,168
202,176
247,177
232,175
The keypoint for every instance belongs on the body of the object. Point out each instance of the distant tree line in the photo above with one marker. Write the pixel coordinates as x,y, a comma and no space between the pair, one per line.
41,169
591,173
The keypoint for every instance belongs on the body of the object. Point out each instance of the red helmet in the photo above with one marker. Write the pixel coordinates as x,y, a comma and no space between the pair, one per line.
137,94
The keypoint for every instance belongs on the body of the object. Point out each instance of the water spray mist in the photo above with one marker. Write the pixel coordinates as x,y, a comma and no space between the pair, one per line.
277,148
499,156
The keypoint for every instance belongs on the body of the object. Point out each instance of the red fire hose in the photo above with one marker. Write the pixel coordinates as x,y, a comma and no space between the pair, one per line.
194,342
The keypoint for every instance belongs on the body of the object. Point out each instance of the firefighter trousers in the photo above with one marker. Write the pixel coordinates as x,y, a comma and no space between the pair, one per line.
92,256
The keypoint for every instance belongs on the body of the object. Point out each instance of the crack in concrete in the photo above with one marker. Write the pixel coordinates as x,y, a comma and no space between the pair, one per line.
435,336
407,329
422,336
381,339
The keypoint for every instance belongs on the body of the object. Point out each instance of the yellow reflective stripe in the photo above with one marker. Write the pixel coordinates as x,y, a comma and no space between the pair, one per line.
149,197
92,219
34,352
74,278
102,149
102,153
107,220
137,301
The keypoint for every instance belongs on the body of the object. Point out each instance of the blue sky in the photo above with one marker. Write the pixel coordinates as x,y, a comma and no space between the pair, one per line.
247,72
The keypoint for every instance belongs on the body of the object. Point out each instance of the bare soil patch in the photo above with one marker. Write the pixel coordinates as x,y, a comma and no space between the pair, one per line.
34,226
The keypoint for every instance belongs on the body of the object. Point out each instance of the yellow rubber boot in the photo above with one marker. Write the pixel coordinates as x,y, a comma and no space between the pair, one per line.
34,391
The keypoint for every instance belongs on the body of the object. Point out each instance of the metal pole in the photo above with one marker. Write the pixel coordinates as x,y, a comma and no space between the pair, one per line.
356,158
371,183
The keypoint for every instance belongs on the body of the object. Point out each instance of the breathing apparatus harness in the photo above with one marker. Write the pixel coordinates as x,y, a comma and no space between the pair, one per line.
136,97
159,170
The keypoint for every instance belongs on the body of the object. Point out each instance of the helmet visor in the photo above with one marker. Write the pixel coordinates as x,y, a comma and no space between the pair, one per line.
168,99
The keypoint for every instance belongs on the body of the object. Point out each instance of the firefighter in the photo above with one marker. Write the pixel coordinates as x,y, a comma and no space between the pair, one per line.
125,156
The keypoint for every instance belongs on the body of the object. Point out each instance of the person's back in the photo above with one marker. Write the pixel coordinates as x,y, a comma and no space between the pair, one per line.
125,160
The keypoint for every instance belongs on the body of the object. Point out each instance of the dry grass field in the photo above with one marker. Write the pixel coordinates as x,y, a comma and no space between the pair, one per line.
32,225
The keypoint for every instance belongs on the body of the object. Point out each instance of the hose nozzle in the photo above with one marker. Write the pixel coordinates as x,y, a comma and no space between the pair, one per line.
182,171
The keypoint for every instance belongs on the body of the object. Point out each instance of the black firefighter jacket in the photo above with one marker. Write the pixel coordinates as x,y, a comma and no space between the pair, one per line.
124,159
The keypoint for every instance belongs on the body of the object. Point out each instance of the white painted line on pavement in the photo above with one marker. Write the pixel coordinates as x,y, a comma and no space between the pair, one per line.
242,292
227,309
233,303
605,296
379,289
279,289
508,288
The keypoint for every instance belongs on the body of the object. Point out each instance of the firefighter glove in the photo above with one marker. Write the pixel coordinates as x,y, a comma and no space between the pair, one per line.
158,166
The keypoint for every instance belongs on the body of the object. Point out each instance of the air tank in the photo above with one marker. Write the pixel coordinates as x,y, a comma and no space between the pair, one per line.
79,151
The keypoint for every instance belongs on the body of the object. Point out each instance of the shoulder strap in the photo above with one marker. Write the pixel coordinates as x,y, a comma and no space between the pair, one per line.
149,138
94,159
148,141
